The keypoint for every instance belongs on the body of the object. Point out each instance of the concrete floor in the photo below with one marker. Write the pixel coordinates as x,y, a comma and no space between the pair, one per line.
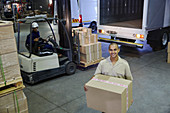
65,94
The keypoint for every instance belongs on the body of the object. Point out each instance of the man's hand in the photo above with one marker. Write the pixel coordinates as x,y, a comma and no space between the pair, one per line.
36,39
132,101
85,89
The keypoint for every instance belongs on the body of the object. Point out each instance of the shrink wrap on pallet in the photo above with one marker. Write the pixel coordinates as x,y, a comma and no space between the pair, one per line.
86,49
87,57
82,37
97,55
93,38
97,46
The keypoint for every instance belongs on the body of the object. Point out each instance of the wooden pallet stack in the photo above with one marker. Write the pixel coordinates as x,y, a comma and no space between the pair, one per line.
12,98
90,48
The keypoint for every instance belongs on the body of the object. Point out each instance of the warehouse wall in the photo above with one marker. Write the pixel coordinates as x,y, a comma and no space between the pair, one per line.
40,5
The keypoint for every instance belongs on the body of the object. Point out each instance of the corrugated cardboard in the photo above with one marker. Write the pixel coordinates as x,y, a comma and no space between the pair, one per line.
85,30
7,46
9,59
13,108
97,55
76,29
94,38
104,94
86,49
168,50
6,30
82,37
97,46
10,73
9,98
87,57
24,111
88,31
168,58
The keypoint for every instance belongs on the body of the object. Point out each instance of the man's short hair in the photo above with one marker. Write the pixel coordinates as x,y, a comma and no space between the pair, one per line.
114,44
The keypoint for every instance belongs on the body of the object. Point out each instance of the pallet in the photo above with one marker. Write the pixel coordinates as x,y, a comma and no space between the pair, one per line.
11,86
86,65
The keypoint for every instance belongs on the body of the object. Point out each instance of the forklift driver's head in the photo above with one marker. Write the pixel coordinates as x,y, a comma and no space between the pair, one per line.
34,25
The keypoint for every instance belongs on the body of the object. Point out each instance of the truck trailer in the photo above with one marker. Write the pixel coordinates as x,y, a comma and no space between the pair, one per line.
130,22
83,17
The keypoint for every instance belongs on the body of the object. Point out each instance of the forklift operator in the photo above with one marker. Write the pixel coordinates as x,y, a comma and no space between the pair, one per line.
38,44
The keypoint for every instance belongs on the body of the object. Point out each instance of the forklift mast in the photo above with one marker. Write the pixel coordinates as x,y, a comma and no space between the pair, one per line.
64,13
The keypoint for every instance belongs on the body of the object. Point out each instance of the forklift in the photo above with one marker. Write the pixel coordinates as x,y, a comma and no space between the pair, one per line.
44,64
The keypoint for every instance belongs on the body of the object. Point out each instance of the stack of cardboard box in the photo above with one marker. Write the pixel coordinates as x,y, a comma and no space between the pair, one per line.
90,48
10,77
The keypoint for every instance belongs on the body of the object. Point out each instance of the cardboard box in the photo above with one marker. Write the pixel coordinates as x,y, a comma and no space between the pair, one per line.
6,30
9,98
87,57
168,50
94,38
168,58
7,46
10,73
9,59
10,66
88,31
82,37
98,55
13,107
97,46
76,29
24,111
86,49
109,94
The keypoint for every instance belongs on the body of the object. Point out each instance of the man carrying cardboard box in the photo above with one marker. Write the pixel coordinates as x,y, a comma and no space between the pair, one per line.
114,65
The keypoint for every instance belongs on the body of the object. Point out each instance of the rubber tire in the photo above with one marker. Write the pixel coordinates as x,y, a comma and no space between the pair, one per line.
163,46
70,68
155,39
93,26
160,44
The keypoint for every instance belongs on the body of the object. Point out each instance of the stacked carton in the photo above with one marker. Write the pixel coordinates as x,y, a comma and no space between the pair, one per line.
10,77
8,53
109,94
168,58
90,48
15,102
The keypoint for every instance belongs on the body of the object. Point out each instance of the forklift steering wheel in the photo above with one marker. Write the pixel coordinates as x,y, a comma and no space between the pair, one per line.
51,39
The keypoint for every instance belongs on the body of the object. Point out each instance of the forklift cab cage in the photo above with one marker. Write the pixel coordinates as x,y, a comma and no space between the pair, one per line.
68,50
